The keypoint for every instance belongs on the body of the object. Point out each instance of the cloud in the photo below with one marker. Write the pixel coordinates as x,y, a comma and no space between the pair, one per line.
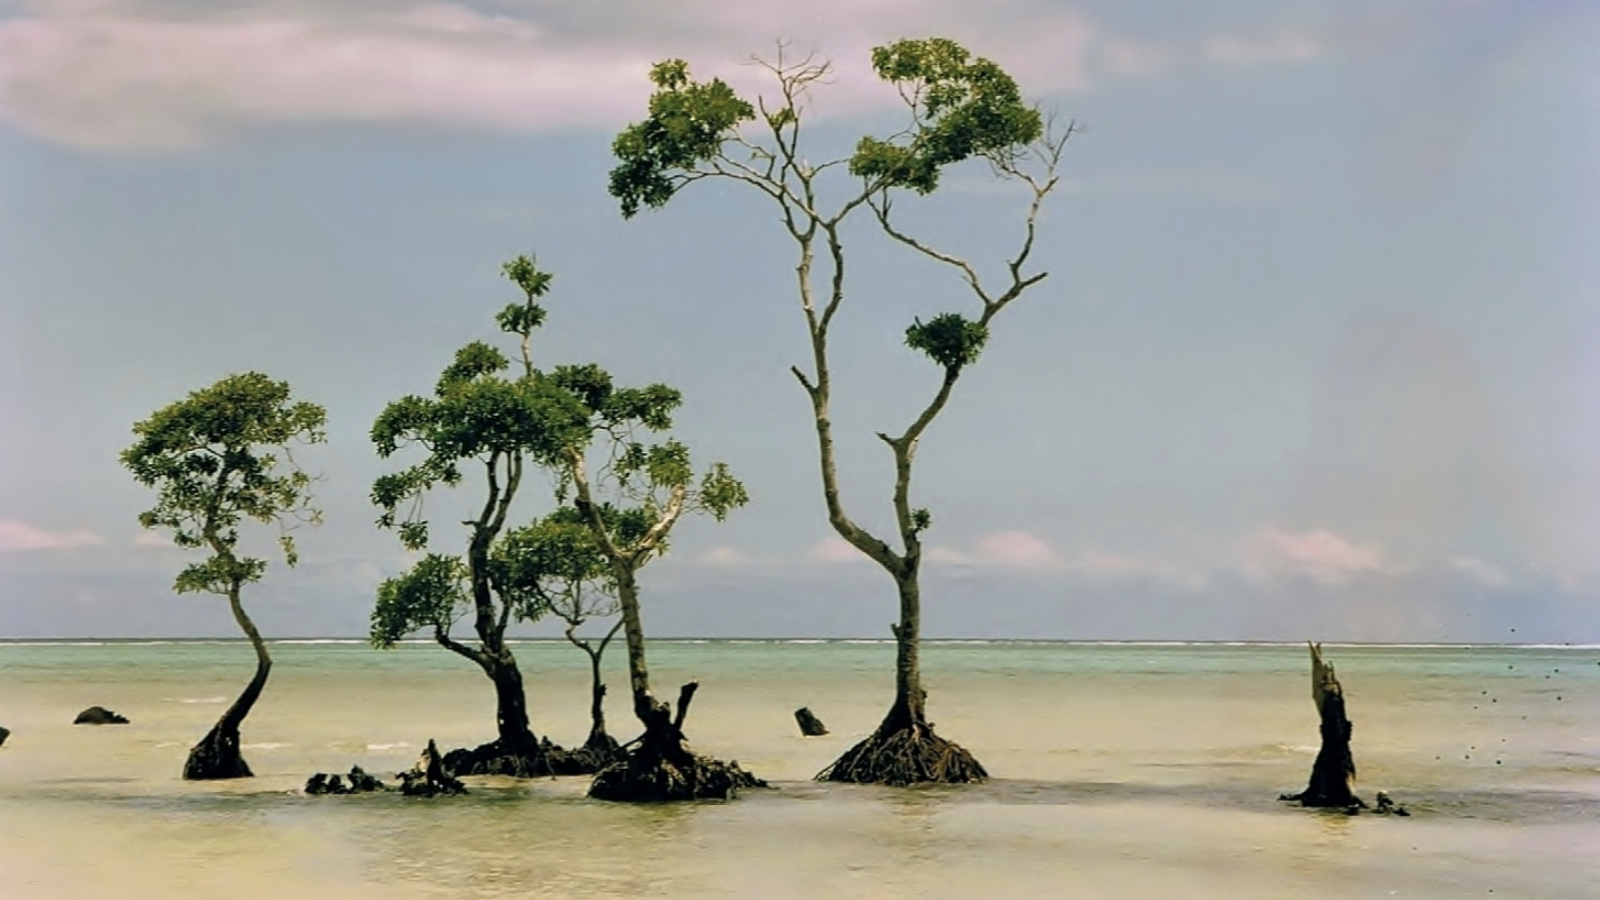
1481,571
724,556
1319,554
18,536
834,550
1017,549
116,77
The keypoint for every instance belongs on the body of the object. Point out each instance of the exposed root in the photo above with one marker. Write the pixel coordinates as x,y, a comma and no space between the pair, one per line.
906,756
659,766
547,759
646,776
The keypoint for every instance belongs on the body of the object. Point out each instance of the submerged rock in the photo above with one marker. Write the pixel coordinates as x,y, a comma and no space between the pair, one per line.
360,783
99,715
4,733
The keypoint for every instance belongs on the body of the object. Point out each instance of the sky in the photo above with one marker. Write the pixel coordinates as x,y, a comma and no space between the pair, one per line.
1318,356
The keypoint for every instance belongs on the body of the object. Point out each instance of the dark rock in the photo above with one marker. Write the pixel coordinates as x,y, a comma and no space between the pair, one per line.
99,715
810,725
4,733
360,783
1385,806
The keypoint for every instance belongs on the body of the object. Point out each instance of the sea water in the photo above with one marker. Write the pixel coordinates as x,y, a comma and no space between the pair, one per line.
1119,771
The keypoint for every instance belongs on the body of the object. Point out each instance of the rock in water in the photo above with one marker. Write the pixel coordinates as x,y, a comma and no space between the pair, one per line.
810,725
4,733
99,715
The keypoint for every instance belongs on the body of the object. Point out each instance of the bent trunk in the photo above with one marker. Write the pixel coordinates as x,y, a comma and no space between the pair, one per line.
217,755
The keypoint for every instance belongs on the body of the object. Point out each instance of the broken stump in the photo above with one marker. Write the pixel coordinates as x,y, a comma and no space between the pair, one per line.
1333,773
810,725
428,778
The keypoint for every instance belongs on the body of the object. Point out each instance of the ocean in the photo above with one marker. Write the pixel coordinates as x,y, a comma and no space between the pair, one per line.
1119,771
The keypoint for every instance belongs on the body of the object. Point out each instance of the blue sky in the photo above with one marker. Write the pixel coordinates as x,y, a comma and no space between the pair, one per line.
1316,358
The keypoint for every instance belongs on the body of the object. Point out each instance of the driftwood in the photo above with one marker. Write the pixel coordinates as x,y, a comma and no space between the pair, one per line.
360,783
658,766
428,778
810,725
1333,773
99,715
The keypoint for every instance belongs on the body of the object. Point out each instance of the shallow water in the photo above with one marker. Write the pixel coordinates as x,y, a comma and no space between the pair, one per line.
1120,771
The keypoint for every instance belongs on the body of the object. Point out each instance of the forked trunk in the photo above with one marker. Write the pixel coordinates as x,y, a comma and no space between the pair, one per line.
660,766
217,755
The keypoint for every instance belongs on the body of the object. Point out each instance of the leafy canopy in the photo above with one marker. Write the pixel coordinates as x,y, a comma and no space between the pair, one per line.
962,107
475,413
218,457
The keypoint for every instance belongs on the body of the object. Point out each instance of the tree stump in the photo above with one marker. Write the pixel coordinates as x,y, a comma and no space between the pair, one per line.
428,777
99,715
217,755
659,766
1334,771
810,725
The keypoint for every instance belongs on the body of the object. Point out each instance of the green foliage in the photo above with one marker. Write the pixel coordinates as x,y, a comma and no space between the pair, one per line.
964,108
534,566
221,456
721,493
523,318
428,595
524,273
687,124
949,339
921,519
476,413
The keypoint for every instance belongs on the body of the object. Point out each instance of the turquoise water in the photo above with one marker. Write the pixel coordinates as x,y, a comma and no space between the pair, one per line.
1121,770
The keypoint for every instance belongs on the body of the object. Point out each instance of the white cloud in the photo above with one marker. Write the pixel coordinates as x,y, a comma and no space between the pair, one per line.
112,76
723,556
16,535
1480,570
1318,554
833,549
1017,549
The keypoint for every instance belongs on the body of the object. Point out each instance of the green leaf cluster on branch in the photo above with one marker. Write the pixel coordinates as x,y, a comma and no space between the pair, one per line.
218,458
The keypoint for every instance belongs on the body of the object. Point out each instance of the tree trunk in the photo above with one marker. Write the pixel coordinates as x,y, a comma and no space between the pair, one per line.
660,766
1334,771
599,740
511,706
217,755
904,749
